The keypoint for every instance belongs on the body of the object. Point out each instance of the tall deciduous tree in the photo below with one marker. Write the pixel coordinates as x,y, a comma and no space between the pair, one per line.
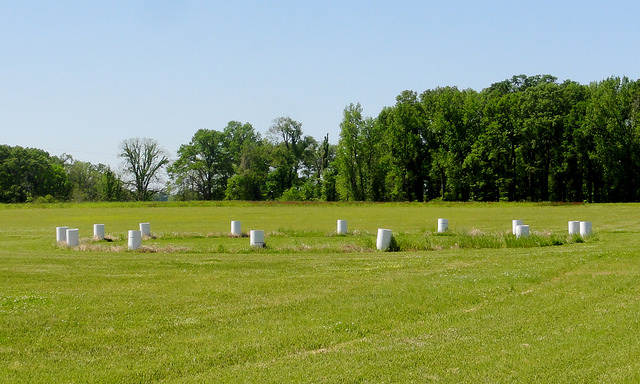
350,182
239,140
250,179
542,112
203,165
143,160
359,159
409,148
288,155
249,157
570,175
452,118
491,164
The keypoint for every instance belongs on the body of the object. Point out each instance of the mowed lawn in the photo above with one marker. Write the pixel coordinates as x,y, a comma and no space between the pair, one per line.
198,306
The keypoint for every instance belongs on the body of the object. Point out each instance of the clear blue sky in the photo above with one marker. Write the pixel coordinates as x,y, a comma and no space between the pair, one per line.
78,77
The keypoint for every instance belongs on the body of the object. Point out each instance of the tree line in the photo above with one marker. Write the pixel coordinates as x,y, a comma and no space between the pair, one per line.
528,138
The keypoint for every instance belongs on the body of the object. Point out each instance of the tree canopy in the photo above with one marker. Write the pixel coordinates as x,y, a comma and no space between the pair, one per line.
527,138
29,173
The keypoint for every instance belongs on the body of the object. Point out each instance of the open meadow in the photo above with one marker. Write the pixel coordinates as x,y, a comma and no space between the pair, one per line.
195,305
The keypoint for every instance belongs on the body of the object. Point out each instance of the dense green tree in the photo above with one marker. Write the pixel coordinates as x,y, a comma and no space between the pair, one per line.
249,180
452,118
492,163
240,139
289,155
85,179
249,158
542,112
408,145
519,83
351,181
359,157
112,187
204,165
324,156
27,174
316,161
611,122
567,176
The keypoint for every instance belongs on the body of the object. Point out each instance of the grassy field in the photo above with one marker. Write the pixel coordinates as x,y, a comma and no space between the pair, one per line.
198,306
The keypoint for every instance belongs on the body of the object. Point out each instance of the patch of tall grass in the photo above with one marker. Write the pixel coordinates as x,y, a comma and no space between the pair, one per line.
476,239
288,240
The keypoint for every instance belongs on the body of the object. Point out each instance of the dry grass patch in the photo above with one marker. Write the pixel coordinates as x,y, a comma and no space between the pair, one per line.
90,245
353,248
476,232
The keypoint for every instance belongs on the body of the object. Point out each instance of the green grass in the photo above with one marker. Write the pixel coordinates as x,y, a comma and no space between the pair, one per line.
473,305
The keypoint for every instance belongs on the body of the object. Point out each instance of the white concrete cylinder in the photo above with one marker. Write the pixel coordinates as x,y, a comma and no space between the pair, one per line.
256,238
514,224
73,237
61,234
585,228
574,227
341,228
384,239
145,229
98,231
522,231
134,239
443,225
236,228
